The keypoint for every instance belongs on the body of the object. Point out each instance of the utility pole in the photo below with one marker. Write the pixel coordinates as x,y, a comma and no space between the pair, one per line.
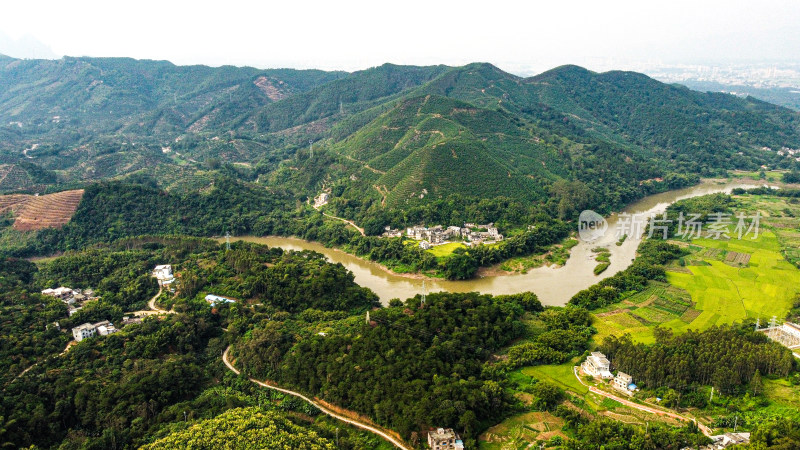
424,293
712,394
367,317
227,241
311,147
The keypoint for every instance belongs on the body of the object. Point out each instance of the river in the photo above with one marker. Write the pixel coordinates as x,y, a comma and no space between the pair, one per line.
553,285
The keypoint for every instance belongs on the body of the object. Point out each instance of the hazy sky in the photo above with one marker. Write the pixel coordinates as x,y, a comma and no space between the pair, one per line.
517,36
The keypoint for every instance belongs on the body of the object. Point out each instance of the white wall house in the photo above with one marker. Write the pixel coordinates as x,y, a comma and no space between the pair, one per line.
597,365
163,274
624,383
88,330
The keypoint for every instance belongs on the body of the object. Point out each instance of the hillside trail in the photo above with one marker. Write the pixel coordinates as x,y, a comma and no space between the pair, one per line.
364,426
652,409
349,222
154,310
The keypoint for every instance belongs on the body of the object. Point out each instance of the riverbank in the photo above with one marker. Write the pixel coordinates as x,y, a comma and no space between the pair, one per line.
554,286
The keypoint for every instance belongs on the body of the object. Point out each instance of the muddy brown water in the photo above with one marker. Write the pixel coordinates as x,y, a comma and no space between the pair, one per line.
553,285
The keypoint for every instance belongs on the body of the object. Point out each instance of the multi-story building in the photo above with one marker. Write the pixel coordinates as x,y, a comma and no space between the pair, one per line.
597,365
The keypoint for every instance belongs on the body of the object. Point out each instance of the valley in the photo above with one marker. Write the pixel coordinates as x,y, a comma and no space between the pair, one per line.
553,285
390,256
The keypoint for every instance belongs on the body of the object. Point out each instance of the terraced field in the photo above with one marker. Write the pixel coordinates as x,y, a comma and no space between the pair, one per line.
45,211
726,293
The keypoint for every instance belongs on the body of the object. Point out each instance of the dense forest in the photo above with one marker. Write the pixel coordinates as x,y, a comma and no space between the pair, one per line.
114,210
411,367
168,155
117,391
727,357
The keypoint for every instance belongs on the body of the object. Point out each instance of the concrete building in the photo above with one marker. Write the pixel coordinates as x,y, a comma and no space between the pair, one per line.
214,299
105,328
624,383
84,331
723,441
444,439
321,200
425,245
163,274
597,365
62,293
88,330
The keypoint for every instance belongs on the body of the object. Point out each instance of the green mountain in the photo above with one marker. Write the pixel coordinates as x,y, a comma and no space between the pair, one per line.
386,136
101,93
438,146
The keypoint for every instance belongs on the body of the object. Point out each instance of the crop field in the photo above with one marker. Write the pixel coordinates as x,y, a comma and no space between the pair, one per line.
520,430
719,282
772,175
641,312
726,294
445,250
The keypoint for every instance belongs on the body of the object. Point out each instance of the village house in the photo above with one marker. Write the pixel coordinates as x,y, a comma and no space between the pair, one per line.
624,383
72,297
127,320
88,330
214,299
425,245
61,293
726,440
598,366
392,232
163,274
437,235
444,439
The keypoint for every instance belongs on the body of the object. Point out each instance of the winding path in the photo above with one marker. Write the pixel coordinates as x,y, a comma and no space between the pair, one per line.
349,222
388,437
659,412
154,310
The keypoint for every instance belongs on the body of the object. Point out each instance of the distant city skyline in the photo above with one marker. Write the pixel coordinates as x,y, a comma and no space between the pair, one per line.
522,39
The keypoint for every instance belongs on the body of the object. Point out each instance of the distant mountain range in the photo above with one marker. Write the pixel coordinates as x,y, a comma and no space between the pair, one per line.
390,134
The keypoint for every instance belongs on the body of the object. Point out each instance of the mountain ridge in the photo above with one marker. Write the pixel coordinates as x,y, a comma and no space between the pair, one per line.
614,131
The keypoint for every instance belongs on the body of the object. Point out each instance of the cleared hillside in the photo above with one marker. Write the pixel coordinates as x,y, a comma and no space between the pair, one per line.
43,211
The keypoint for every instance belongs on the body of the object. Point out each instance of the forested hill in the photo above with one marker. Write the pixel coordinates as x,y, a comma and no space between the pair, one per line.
687,124
101,93
387,137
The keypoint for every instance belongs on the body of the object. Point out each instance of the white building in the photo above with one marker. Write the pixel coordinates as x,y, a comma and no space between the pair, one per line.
59,292
88,330
726,440
214,299
597,365
624,383
105,328
163,274
425,245
444,439
84,331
